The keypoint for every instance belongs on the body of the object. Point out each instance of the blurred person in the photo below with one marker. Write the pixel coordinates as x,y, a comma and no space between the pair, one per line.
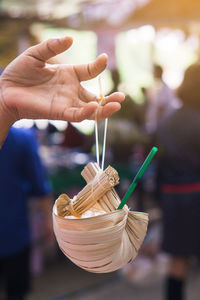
179,175
115,79
130,111
21,177
161,101
73,138
29,88
143,91
124,127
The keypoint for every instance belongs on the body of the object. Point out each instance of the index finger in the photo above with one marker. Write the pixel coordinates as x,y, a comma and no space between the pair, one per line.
91,70
103,112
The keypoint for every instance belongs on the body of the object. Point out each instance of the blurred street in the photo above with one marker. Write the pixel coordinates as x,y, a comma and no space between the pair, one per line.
63,281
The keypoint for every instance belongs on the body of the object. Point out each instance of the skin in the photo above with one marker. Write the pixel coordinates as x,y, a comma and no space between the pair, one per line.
29,88
178,267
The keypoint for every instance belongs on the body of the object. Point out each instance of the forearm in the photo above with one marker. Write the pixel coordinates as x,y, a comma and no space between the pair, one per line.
5,124
6,118
46,205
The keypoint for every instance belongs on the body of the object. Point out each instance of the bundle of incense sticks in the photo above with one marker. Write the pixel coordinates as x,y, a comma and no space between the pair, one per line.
110,200
98,184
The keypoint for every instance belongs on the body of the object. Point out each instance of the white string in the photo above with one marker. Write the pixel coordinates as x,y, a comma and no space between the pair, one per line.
96,131
104,142
97,139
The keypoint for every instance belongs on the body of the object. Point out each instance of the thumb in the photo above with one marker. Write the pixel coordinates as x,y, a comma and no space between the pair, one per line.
50,48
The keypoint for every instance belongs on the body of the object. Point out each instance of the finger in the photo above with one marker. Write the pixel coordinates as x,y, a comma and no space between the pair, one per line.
91,111
105,111
115,97
91,70
80,114
87,96
50,48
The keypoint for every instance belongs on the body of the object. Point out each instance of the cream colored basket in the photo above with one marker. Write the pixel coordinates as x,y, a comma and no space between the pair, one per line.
103,243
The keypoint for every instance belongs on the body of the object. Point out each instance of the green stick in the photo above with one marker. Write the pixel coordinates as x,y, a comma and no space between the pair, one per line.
138,176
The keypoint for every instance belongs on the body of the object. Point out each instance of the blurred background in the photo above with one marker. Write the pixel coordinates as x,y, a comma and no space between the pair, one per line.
150,44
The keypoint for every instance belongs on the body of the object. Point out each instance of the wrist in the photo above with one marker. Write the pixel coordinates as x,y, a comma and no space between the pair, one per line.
6,118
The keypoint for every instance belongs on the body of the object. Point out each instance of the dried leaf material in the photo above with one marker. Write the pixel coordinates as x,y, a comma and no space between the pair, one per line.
110,200
103,243
90,194
64,204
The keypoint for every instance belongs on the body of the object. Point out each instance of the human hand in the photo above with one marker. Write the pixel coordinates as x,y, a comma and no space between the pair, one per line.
47,231
31,89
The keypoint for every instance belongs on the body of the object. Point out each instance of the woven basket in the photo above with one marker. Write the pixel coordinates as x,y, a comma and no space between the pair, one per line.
103,243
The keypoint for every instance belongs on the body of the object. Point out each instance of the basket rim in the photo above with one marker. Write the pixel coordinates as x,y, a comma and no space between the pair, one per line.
103,216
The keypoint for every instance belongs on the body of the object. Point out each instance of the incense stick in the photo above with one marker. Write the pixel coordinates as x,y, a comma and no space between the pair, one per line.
138,176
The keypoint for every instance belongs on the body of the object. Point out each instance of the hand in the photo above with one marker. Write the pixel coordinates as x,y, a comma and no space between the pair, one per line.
47,232
31,89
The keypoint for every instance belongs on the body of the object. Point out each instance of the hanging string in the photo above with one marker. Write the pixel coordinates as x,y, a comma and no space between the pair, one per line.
96,138
105,125
104,143
96,130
